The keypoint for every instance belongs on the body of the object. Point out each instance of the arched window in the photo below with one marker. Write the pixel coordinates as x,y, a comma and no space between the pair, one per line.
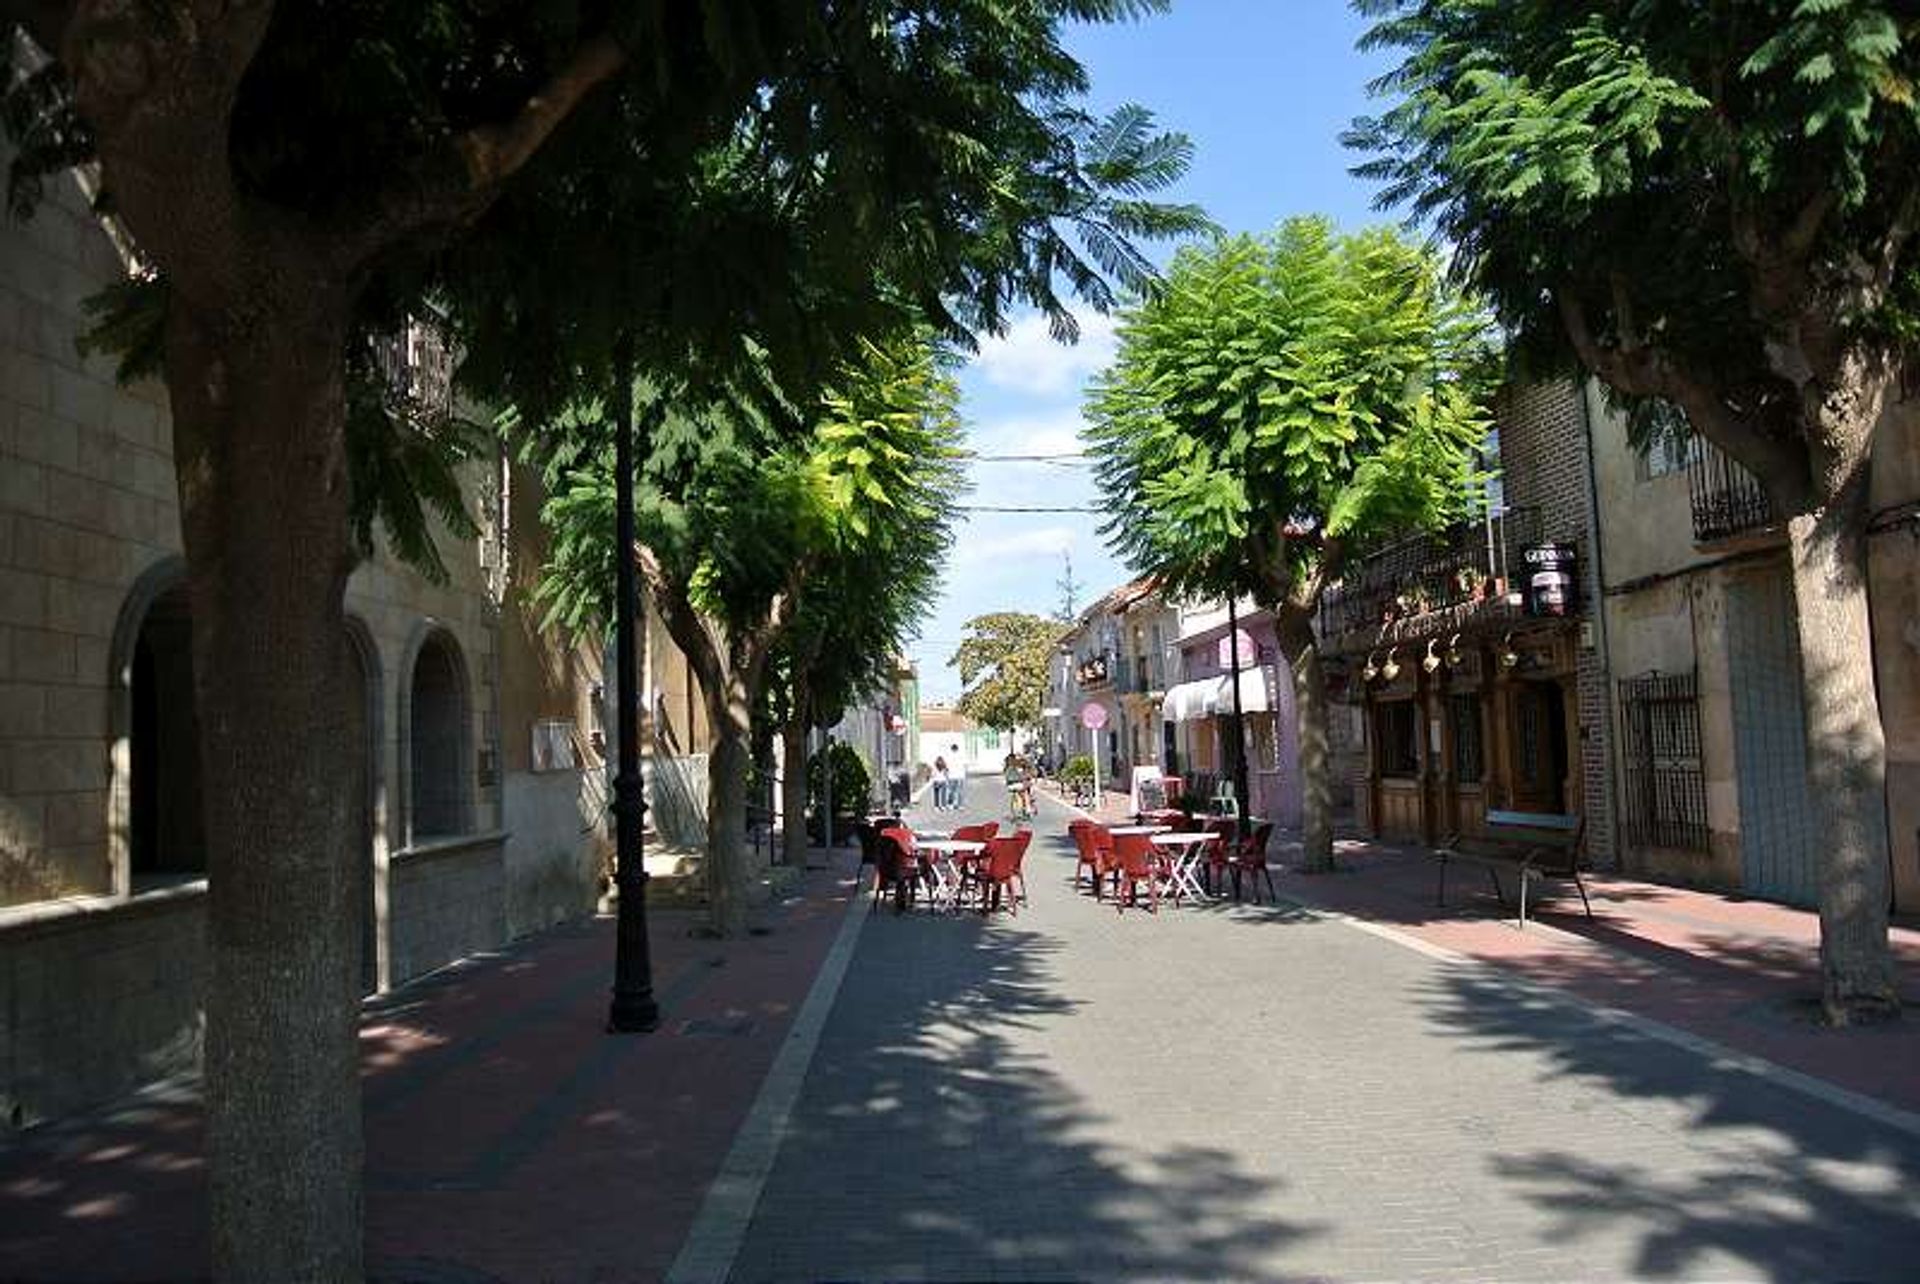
437,735
166,834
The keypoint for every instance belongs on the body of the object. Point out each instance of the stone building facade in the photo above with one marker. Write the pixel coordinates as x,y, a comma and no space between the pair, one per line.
484,781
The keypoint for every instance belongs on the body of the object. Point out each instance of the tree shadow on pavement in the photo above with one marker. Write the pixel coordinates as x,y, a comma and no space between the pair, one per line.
1792,1187
936,1138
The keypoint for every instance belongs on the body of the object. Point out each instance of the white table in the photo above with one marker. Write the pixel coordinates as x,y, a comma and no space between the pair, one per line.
945,866
1185,848
1137,829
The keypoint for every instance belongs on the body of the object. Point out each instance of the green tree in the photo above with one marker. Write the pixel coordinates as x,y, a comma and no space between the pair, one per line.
1712,206
1280,405
1004,659
703,180
753,553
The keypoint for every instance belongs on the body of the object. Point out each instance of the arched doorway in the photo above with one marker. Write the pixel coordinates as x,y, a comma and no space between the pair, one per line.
437,741
166,833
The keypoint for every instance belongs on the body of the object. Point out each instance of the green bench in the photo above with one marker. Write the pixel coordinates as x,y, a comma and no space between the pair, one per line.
1534,845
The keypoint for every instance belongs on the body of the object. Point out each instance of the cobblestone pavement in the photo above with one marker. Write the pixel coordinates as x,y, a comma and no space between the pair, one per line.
1262,1093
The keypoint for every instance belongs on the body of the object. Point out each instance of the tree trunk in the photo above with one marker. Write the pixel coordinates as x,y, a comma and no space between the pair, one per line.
1302,651
793,783
730,710
1846,755
259,415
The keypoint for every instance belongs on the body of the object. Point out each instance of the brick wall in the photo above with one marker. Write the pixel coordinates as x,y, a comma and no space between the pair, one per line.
1544,452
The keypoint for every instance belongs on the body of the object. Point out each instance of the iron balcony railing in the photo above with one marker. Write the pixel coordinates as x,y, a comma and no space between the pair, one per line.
1094,671
1727,500
1478,561
414,366
1140,674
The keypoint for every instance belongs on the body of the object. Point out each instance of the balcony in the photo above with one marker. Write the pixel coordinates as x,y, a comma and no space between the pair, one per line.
1433,583
1140,675
1727,500
1094,671
414,367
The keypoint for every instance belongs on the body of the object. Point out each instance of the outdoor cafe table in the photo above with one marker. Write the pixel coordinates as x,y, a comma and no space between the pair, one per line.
1184,851
1138,829
947,854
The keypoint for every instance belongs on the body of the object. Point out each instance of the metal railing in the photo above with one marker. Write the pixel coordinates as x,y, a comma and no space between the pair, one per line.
1665,789
1140,674
415,368
1726,499
1470,562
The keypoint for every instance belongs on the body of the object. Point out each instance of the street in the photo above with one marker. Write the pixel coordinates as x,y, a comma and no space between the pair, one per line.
1227,1092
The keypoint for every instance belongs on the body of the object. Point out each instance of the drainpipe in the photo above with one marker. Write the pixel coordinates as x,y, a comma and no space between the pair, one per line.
1600,614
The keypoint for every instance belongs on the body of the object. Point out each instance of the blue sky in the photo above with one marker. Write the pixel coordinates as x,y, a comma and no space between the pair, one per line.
1264,88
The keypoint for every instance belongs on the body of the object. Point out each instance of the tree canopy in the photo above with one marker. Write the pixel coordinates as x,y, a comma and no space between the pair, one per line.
1284,398
1003,661
1710,205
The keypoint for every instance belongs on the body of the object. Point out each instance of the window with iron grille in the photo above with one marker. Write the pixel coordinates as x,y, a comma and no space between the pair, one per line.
1396,732
1463,714
1666,796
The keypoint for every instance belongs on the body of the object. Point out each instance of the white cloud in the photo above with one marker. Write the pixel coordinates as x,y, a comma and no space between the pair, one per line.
1049,434
1028,359
1048,541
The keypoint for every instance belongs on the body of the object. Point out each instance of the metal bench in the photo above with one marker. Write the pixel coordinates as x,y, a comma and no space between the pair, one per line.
1532,844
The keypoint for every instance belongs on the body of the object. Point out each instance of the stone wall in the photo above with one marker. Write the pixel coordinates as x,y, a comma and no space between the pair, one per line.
99,997
446,903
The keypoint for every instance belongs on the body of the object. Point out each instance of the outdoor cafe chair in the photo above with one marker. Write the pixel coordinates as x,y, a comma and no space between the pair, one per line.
1094,846
1250,857
1220,852
897,867
1136,862
994,875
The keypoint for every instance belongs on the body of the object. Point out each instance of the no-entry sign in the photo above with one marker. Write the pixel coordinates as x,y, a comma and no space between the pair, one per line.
1093,716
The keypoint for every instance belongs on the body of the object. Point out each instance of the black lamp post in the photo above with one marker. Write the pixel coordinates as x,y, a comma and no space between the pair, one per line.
633,1009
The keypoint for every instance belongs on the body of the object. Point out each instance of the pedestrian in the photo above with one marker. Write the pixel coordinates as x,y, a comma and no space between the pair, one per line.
941,784
957,783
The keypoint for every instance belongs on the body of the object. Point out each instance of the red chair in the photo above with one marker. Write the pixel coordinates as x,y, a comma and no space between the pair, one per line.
995,876
1095,846
1135,862
1024,837
1220,851
1250,857
898,867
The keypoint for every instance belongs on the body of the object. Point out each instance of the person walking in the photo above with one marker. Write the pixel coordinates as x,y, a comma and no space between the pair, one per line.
942,786
957,781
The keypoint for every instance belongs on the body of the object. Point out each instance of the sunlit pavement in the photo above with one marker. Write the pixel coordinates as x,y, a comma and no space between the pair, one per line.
1249,1092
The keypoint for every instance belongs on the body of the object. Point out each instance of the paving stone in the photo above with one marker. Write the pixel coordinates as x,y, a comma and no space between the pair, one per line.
1242,1093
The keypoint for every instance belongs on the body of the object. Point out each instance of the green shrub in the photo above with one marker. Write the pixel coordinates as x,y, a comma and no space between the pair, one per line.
1079,770
851,780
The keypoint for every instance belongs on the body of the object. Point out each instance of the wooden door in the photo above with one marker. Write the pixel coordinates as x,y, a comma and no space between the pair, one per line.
1538,745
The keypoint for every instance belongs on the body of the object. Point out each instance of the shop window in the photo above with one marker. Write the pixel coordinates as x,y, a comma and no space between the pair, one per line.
165,828
1396,738
437,752
1463,716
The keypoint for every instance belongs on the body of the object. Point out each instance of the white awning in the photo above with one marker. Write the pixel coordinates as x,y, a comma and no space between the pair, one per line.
1211,697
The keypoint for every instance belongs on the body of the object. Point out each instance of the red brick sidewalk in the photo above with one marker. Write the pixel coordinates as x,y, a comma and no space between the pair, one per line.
1742,973
507,1137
